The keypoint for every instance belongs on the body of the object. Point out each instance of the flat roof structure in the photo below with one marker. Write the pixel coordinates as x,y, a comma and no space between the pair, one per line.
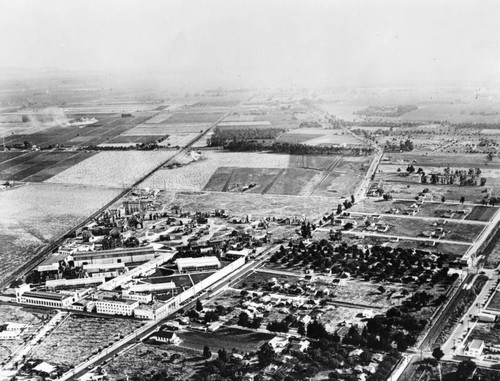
46,295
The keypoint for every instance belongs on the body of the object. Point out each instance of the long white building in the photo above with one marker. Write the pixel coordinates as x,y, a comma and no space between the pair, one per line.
197,264
116,306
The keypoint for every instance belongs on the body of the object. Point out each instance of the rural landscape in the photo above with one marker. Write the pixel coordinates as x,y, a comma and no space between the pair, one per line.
242,191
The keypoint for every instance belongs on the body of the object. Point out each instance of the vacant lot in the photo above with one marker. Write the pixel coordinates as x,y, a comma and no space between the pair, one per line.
113,168
258,279
80,336
334,317
228,338
148,360
489,333
363,294
147,129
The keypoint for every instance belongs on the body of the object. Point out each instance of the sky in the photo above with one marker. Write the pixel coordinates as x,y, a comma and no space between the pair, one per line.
255,42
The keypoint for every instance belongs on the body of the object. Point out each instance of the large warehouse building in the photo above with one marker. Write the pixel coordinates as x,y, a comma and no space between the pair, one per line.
197,264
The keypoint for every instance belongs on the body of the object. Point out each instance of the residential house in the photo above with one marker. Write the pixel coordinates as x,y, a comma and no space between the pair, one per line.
168,337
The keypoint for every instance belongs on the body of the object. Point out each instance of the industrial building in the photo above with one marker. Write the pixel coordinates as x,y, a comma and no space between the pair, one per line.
197,264
123,255
72,283
47,299
116,306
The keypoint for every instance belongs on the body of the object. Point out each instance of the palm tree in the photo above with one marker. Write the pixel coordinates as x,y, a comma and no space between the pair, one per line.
438,354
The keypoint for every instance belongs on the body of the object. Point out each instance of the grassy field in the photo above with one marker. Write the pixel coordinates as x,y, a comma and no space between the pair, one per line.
80,336
194,117
362,293
228,338
34,214
258,278
333,316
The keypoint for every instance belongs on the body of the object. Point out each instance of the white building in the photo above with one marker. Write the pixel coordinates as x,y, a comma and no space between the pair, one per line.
168,337
47,299
152,287
116,306
197,264
78,282
141,298
474,349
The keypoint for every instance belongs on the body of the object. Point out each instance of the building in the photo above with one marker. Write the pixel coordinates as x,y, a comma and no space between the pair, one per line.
197,264
122,255
116,306
74,283
237,254
140,297
152,287
474,349
168,337
47,299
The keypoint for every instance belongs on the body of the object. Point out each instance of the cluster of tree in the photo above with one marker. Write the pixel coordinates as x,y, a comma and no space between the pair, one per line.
226,367
223,135
306,229
328,352
295,148
378,262
386,111
280,326
462,177
148,146
245,321
404,146
310,124
209,316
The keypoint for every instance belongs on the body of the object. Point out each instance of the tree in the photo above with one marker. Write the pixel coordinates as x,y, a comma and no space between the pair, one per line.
438,354
266,355
199,306
464,370
243,319
206,352
443,199
222,353
462,200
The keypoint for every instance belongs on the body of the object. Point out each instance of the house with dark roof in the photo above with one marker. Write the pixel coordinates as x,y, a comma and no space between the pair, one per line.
168,337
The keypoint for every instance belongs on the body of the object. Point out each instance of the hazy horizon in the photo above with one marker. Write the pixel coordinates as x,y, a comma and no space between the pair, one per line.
257,43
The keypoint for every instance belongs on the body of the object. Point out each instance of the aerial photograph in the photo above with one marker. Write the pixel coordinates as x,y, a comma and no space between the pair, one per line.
249,190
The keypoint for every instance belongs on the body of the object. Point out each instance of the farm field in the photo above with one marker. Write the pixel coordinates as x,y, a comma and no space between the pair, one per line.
80,336
228,338
107,127
492,251
148,360
113,168
291,137
39,166
147,129
194,117
460,232
258,279
196,175
482,213
180,140
255,204
34,214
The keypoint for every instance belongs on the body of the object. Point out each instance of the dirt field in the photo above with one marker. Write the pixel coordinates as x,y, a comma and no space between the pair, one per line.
80,336
334,316
256,205
362,293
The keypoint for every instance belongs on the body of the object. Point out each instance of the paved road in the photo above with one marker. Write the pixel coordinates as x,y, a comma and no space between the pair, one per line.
426,218
404,237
